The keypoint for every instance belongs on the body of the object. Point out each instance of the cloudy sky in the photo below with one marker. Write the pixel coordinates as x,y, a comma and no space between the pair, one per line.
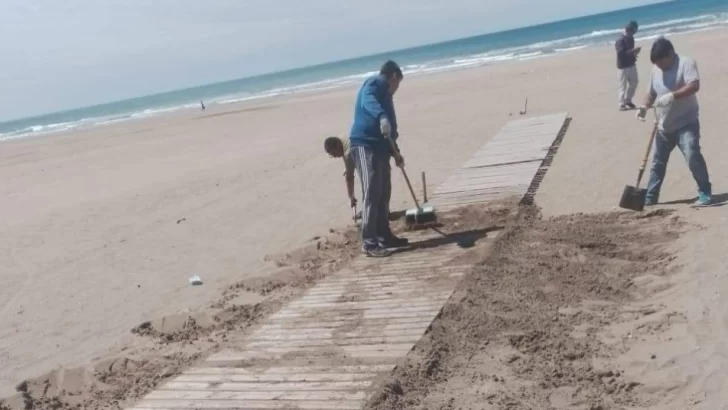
61,54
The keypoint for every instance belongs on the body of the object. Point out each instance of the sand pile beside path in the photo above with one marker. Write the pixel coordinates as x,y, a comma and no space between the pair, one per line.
521,330
167,346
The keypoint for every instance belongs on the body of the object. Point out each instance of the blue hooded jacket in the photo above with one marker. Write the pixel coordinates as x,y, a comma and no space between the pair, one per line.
373,102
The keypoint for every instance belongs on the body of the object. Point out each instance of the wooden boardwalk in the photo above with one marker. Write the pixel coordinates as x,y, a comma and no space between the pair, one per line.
505,166
326,349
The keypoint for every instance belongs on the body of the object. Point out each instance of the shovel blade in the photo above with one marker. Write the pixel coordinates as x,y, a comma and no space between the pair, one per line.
633,198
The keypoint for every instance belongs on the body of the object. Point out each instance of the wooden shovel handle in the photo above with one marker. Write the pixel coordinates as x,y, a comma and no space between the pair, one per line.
647,155
649,146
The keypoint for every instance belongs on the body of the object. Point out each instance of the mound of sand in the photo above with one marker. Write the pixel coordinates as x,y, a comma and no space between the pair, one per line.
521,330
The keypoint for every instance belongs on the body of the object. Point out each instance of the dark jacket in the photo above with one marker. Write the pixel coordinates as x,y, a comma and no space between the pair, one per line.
623,45
373,102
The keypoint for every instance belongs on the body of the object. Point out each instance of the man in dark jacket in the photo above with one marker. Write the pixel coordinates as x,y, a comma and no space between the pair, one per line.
375,122
626,66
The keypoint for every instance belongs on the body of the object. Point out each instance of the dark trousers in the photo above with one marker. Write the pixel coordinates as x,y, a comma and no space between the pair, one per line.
375,176
687,139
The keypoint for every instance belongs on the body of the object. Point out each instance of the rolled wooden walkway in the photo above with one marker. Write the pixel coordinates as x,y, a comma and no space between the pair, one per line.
326,349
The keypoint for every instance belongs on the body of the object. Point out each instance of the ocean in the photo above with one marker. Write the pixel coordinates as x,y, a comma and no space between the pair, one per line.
670,18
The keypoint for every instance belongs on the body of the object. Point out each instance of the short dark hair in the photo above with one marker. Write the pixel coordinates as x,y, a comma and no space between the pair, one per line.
632,25
331,143
661,48
390,69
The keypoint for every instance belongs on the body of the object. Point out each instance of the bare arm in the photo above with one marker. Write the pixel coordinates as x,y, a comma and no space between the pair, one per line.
687,90
350,184
692,80
349,177
650,100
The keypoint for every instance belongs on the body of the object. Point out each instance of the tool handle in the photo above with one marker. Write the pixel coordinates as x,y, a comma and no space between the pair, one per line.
391,144
647,154
409,185
404,173
424,188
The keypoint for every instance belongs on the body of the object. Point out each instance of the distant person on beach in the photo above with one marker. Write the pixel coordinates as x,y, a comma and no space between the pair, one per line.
374,121
674,83
339,147
202,104
627,66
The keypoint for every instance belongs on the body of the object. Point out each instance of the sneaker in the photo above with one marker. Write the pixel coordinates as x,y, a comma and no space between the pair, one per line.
630,105
377,252
704,200
623,107
395,242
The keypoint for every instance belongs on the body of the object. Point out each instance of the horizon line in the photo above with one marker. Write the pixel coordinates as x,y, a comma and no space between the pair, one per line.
333,62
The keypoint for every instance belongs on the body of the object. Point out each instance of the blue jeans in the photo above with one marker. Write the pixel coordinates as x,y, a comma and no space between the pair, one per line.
688,140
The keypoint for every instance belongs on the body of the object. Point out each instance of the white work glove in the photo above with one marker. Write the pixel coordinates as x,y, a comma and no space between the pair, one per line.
385,126
641,113
665,100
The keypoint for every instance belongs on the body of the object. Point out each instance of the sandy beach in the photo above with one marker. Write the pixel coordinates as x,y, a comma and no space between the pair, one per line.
103,227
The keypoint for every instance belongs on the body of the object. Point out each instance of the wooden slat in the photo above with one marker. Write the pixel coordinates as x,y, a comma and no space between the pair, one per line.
328,334
277,395
250,404
243,375
299,370
233,382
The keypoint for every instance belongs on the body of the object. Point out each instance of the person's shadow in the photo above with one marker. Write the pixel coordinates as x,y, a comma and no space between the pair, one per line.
464,239
718,200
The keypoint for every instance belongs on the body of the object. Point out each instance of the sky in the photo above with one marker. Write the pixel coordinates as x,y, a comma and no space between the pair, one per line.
62,54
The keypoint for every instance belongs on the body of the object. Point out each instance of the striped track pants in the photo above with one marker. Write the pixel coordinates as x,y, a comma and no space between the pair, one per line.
375,176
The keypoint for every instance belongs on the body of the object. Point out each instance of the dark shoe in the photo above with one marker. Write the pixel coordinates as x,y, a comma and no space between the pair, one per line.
377,252
623,108
395,242
631,106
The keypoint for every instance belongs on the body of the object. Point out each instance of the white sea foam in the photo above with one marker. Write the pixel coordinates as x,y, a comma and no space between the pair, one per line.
525,52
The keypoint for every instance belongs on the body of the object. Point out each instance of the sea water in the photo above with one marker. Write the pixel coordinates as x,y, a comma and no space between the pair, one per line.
670,18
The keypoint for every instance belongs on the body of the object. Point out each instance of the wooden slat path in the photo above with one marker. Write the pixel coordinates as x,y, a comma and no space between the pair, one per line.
325,349
505,166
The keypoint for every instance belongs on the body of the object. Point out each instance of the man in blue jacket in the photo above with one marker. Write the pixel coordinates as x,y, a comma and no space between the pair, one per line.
374,122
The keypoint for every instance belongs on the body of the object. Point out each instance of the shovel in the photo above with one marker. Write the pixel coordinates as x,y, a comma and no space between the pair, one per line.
633,197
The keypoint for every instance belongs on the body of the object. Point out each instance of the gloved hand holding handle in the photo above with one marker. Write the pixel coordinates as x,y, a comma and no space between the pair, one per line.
665,100
386,129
